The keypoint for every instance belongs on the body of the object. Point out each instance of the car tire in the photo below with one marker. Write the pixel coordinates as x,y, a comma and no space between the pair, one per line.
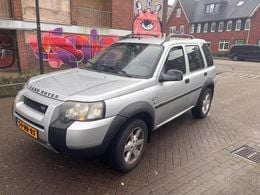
203,105
127,148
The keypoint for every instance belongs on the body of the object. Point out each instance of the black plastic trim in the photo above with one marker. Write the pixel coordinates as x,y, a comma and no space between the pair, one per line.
176,98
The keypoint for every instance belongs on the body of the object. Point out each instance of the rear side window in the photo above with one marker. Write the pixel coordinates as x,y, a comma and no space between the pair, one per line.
208,54
196,61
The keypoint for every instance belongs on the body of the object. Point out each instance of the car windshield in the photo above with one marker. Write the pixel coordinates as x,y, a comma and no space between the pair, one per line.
127,59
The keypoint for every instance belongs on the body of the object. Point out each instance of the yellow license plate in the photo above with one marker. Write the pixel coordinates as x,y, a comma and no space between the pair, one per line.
27,128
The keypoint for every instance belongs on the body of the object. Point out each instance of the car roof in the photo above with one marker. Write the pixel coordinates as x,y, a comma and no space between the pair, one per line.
162,41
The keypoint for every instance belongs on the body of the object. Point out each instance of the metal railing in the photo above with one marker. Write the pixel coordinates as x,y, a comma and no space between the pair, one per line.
93,17
5,9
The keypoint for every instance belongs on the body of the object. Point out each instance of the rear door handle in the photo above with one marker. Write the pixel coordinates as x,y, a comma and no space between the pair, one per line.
187,81
205,73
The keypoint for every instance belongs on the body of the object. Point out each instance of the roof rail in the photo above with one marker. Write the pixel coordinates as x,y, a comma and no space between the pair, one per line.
137,36
178,35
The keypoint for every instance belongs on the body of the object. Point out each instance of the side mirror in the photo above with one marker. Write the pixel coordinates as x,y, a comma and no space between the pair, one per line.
171,75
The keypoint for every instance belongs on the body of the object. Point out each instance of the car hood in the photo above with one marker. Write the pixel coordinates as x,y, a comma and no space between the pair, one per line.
83,85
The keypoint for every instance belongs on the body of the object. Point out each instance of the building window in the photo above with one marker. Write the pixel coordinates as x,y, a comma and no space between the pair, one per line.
206,27
239,42
211,8
172,29
198,28
238,25
213,27
223,46
258,42
229,25
178,13
192,28
248,24
182,29
220,26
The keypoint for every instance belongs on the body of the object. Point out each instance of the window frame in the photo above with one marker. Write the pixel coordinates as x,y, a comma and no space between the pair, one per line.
258,42
221,24
172,29
248,24
198,30
192,30
182,27
204,27
229,22
223,48
236,27
184,57
215,25
237,40
178,13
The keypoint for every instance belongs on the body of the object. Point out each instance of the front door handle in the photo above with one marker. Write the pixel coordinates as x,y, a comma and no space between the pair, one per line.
187,81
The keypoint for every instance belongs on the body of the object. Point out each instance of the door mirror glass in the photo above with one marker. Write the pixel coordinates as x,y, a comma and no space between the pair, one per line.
171,75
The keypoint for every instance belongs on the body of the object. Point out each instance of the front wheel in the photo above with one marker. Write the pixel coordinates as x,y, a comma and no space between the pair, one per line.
202,108
127,149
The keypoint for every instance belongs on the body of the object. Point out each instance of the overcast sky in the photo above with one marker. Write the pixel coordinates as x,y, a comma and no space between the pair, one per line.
170,2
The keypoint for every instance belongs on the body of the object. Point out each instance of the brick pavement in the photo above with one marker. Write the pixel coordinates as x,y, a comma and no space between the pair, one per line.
186,156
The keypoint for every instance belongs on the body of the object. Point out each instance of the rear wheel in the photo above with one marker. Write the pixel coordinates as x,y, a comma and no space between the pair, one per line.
202,108
127,149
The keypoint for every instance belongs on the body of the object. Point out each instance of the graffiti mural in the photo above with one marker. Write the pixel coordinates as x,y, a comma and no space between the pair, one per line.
147,21
72,49
7,54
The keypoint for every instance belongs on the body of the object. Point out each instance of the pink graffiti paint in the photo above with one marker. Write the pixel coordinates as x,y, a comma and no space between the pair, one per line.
7,56
147,21
59,49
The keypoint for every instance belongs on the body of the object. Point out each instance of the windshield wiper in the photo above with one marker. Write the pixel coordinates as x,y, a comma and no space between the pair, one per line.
113,69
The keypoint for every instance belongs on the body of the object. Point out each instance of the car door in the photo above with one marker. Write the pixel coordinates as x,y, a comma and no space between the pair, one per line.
197,74
171,94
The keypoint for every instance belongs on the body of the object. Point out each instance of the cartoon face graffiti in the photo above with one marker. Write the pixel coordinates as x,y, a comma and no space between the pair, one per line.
147,21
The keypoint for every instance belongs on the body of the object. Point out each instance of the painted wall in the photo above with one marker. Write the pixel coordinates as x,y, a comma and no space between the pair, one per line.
69,49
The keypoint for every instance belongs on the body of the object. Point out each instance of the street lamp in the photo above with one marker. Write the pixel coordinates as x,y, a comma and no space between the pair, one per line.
39,39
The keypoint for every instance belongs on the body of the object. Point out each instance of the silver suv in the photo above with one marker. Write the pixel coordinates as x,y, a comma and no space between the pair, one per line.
112,104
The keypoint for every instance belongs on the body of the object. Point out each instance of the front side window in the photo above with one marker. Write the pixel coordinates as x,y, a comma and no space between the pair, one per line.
127,59
213,27
229,25
248,24
175,60
196,61
206,26
223,45
220,26
238,25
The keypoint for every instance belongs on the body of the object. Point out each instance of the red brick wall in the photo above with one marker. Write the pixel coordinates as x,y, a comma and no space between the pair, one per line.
255,28
17,9
122,14
174,21
215,37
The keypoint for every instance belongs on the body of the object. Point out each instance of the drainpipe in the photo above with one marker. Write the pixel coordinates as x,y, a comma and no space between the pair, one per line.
39,37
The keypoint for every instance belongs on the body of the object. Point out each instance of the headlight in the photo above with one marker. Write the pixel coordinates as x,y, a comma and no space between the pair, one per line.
79,111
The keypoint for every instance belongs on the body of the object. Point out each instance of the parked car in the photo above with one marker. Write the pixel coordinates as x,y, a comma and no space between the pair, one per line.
245,52
112,104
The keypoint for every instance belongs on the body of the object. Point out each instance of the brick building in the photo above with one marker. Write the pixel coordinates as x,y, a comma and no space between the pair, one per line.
222,23
82,25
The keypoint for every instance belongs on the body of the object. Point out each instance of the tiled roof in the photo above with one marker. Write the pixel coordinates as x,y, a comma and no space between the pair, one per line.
229,9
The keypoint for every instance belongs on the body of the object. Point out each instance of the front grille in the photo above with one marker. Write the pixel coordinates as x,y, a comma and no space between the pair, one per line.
35,105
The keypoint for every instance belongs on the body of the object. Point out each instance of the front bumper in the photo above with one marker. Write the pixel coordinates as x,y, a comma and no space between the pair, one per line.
85,138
